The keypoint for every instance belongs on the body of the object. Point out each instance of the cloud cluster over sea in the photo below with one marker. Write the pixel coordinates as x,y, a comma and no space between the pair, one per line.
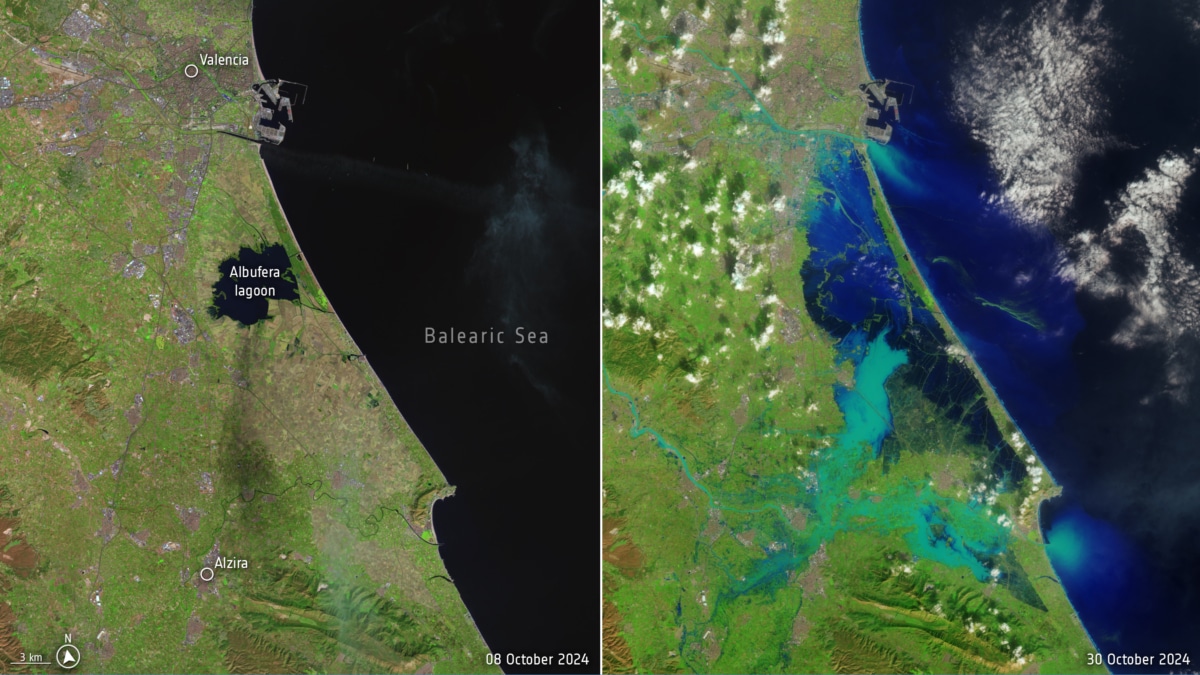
1164,291
525,259
1029,90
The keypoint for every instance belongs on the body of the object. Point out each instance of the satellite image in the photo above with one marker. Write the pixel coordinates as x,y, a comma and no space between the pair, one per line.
219,453
899,336
893,351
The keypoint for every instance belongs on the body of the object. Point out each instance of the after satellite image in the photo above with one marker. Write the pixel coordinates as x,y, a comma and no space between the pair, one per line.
219,453
899,336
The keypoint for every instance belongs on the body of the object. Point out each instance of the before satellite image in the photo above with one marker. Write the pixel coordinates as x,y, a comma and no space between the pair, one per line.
899,336
203,467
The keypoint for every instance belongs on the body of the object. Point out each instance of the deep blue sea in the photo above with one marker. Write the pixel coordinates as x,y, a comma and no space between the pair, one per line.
1117,433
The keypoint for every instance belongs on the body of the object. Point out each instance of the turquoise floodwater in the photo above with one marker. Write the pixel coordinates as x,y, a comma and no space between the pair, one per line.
1000,282
852,272
851,281
964,532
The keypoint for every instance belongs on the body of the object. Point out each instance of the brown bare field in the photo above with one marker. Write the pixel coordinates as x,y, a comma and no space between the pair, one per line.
15,553
625,556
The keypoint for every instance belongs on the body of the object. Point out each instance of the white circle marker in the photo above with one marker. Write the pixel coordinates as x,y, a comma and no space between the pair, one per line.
67,656
190,70
210,574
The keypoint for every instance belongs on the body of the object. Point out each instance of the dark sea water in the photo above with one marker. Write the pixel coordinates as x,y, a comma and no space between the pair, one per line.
441,173
1120,436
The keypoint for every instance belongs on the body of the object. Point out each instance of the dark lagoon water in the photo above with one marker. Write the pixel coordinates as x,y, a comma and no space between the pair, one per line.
854,291
441,174
248,282
1112,410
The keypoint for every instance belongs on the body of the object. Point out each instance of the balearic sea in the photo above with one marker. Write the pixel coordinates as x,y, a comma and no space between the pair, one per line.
435,177
1042,178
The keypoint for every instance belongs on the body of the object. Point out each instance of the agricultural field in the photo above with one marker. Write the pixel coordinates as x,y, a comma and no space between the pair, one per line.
803,469
142,439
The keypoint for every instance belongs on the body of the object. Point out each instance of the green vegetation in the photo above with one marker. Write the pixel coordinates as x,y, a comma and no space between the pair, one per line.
141,439
720,387
37,17
32,345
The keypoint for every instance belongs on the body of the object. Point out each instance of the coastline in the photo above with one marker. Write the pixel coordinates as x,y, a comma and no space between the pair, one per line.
448,491
995,404
892,228
443,493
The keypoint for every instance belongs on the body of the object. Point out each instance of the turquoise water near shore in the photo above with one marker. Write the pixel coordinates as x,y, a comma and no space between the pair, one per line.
1122,535
1092,556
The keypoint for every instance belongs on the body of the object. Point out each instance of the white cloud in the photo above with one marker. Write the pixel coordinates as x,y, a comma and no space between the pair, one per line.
1164,293
774,34
1028,91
